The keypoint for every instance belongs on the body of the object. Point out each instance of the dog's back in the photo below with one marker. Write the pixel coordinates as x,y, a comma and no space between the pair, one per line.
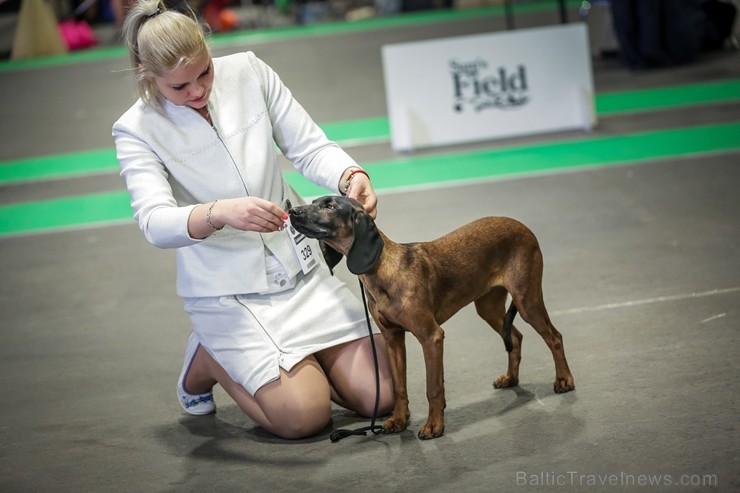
478,241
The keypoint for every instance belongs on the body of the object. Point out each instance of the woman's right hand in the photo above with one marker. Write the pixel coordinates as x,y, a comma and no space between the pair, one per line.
249,214
246,214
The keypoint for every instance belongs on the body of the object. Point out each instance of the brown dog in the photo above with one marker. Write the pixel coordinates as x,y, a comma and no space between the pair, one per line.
416,287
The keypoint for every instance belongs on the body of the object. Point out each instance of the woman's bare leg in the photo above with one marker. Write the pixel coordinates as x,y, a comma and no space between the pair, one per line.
351,371
296,405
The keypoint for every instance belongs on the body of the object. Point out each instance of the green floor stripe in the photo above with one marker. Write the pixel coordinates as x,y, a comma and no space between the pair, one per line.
419,171
668,97
80,211
358,131
74,57
67,212
59,166
293,32
378,129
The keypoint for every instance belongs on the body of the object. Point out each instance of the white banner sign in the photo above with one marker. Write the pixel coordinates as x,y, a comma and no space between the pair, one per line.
488,86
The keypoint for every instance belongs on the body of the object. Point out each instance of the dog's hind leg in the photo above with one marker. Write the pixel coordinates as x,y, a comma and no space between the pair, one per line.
491,307
532,310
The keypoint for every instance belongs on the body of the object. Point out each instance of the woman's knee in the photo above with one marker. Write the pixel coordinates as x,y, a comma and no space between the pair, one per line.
386,397
298,416
367,397
297,405
352,370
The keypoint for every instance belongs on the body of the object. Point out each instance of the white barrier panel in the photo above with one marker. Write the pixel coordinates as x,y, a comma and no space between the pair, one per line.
488,86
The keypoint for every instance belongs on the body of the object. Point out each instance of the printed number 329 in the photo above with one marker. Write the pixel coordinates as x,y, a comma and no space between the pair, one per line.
306,252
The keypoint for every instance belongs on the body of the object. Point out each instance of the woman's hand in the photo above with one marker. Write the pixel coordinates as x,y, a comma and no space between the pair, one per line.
249,214
246,214
361,190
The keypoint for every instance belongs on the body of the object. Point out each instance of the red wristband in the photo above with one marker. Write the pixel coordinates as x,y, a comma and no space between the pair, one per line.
351,174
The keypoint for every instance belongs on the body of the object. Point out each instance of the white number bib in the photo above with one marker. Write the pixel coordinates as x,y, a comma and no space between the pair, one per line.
306,253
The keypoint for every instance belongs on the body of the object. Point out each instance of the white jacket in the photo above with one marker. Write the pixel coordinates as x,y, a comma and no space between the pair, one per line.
174,160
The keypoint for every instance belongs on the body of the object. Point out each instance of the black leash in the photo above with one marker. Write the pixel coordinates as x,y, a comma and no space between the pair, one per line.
376,429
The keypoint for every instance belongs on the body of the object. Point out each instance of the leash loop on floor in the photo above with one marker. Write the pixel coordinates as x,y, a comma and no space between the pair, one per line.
376,429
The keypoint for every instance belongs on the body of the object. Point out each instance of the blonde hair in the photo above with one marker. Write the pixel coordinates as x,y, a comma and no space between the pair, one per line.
160,40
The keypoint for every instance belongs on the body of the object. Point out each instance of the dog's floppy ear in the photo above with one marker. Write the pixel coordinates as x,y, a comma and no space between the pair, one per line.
367,244
331,256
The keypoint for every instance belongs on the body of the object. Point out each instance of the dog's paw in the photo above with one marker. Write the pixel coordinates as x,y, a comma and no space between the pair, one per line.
394,425
505,382
431,430
563,385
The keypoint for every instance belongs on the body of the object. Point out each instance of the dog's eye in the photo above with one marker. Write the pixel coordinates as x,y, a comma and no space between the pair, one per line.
328,205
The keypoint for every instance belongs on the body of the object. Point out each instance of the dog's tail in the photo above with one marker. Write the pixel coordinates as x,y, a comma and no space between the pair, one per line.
508,323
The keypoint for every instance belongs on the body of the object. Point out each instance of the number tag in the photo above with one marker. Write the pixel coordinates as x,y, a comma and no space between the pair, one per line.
305,252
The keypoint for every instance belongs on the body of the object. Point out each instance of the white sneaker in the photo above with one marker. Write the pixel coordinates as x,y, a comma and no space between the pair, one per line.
195,404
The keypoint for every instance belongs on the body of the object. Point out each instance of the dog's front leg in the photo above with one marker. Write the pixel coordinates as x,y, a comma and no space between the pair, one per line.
395,344
432,344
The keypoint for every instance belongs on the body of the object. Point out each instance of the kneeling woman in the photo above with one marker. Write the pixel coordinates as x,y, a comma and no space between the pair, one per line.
281,335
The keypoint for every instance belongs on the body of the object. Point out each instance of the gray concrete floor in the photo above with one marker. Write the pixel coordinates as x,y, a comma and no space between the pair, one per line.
642,277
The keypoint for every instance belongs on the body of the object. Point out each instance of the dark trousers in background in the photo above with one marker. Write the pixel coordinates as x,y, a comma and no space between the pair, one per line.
656,33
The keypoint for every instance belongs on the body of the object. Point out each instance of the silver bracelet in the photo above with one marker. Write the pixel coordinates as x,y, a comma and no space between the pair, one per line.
208,216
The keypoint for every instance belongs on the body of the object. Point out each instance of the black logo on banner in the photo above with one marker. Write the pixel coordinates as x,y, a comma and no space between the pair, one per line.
478,87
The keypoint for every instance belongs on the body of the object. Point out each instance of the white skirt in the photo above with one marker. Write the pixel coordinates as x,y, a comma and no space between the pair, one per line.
252,336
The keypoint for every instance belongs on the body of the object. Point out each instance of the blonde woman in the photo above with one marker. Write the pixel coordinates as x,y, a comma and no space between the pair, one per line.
197,151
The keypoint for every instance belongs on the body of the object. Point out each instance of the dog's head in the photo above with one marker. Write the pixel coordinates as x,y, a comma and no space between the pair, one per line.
343,227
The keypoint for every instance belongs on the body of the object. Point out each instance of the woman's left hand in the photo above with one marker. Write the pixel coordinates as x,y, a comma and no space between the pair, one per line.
362,191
